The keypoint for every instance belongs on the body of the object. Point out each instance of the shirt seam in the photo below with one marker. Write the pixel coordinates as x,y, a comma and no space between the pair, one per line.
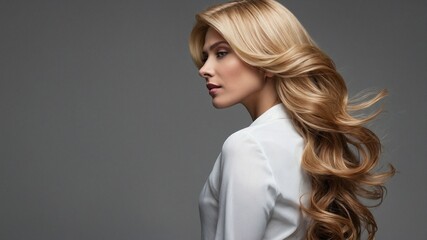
268,164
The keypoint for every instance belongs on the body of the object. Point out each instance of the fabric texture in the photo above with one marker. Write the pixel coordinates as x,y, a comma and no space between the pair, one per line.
257,185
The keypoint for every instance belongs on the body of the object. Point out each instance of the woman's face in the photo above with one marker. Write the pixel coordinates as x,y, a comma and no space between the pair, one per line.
228,79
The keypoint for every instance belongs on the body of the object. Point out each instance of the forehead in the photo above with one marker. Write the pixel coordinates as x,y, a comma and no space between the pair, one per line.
211,37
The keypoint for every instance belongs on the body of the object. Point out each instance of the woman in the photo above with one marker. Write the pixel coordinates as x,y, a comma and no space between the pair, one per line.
299,170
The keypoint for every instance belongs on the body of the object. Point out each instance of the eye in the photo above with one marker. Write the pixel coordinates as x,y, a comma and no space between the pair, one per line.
221,54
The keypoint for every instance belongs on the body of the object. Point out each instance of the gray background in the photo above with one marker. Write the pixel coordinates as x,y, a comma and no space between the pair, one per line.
107,132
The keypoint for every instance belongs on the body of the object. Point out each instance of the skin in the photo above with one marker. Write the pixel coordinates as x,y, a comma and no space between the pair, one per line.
238,81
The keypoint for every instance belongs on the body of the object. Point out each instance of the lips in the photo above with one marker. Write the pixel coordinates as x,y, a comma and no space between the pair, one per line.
213,89
212,86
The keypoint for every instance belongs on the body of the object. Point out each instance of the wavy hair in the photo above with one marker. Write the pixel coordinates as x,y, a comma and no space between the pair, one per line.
341,155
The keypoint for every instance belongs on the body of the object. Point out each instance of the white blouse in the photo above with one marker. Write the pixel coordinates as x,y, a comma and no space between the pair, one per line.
256,185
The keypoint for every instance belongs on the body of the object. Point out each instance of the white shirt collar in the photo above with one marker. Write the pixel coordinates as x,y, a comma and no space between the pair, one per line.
275,112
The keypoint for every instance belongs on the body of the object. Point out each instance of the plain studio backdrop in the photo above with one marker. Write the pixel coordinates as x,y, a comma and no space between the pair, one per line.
108,132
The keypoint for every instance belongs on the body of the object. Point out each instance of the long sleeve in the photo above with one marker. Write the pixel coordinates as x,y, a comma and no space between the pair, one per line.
247,189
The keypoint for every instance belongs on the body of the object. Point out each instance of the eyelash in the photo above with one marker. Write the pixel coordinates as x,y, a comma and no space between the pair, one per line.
219,54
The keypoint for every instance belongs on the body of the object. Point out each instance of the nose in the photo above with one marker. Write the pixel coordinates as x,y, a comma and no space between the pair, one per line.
206,70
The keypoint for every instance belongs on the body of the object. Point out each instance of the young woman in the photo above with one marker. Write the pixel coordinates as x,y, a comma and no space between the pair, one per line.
300,169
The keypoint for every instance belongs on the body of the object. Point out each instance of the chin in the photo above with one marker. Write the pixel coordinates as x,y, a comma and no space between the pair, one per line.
220,105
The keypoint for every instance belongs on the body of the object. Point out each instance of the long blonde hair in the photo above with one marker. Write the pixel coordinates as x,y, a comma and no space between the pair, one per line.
340,154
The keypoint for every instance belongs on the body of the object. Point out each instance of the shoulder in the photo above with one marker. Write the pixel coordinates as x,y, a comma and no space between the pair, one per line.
241,138
258,136
242,146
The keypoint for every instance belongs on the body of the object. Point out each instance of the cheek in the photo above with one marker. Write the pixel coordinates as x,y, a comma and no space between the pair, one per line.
239,81
233,71
240,75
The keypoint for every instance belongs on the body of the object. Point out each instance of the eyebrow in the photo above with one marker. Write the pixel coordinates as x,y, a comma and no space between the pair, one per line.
214,45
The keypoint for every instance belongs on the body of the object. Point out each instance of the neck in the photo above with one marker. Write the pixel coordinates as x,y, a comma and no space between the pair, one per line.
262,101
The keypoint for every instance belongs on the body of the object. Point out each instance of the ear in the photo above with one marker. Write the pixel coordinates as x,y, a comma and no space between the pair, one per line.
268,74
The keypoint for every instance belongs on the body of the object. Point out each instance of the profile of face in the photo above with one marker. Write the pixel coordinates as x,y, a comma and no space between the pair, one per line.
229,79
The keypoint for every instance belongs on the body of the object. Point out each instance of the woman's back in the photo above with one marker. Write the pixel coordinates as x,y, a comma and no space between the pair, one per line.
262,163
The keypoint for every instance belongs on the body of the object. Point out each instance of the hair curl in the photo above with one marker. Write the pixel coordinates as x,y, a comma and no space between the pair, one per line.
340,154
